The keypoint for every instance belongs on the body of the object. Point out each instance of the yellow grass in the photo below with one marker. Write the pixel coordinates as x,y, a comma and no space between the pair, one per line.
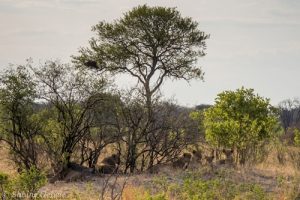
264,173
7,166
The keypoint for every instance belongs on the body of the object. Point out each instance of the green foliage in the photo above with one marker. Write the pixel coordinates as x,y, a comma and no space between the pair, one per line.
24,186
17,87
3,179
5,186
251,191
3,183
148,43
52,129
30,181
297,137
198,116
199,189
162,183
17,128
70,96
17,94
157,197
192,186
151,44
239,119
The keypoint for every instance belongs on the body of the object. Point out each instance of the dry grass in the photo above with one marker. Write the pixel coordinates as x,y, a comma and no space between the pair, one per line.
282,160
134,193
278,175
6,165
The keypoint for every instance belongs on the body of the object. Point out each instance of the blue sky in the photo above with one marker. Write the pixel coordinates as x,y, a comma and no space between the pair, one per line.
253,43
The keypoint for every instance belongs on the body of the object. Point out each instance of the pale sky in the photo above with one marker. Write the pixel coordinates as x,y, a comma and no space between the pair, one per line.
253,43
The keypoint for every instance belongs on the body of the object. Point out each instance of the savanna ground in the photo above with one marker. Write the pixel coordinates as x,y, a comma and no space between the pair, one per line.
276,177
59,120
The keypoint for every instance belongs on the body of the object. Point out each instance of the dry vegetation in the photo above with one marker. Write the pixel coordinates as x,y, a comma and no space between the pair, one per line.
66,132
277,175
6,165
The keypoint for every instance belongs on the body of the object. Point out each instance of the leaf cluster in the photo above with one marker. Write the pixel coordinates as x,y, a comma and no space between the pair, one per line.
239,118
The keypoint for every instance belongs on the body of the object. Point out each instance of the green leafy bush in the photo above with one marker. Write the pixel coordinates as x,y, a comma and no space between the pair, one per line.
3,184
3,179
27,184
297,137
30,181
240,120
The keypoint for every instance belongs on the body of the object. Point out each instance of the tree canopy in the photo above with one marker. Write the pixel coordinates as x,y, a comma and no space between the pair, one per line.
238,119
17,125
149,43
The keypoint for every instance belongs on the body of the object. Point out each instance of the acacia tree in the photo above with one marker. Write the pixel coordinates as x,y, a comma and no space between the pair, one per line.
103,131
239,120
173,131
151,44
71,95
19,129
130,121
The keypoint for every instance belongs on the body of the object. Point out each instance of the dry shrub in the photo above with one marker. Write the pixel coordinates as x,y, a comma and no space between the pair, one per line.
288,188
133,193
282,160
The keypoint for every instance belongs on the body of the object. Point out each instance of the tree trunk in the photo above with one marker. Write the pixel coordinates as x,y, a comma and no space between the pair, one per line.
151,161
235,155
